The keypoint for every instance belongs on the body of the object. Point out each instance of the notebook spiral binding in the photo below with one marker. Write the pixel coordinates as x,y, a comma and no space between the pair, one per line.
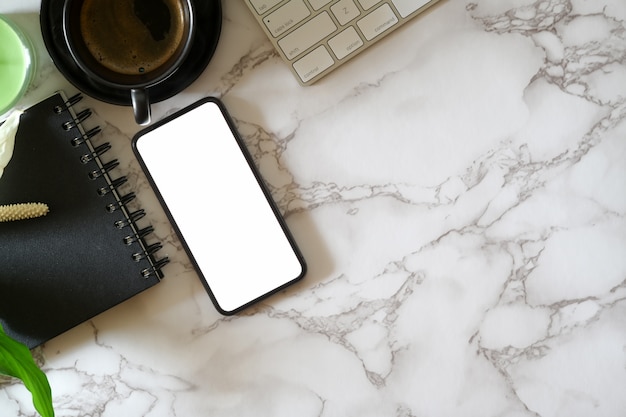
136,235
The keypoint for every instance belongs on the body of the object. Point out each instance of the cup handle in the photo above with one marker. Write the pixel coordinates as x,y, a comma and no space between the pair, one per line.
141,105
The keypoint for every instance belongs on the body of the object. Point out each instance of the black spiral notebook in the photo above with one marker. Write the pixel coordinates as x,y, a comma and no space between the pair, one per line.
88,253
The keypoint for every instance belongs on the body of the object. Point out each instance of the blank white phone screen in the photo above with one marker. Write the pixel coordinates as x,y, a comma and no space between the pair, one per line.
215,201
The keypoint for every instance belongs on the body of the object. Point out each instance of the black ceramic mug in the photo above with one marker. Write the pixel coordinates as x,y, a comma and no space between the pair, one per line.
129,44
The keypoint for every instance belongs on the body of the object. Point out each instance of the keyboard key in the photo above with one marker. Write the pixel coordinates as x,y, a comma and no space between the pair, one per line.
377,22
286,17
368,4
262,6
406,7
345,43
318,4
345,11
316,36
307,35
313,63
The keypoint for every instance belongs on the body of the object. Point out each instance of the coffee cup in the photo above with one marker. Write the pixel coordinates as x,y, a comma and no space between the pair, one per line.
129,44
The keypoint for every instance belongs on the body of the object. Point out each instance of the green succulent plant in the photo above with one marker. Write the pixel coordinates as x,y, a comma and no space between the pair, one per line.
17,361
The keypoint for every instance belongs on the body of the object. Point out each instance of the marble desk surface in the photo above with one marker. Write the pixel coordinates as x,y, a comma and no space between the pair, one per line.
459,194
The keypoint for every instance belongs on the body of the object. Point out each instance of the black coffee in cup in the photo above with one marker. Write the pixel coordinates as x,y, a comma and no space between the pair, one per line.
129,44
132,36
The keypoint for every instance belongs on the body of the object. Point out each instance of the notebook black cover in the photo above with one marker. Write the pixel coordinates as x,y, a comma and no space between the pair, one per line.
60,270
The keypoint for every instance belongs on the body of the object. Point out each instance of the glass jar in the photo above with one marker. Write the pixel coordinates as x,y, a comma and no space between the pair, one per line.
17,64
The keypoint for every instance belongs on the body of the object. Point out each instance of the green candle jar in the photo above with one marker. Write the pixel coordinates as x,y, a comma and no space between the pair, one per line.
17,64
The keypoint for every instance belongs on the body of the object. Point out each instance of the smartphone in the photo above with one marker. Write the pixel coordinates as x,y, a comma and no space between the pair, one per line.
215,198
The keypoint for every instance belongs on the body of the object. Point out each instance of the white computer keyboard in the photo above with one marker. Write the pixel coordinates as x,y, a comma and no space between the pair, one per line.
315,37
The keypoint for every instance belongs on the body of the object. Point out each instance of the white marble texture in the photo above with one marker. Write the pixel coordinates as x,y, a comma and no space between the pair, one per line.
459,193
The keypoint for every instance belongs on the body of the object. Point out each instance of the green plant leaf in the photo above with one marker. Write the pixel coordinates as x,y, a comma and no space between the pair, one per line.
17,361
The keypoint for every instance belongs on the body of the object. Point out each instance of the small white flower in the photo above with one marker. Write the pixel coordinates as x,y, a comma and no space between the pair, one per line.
8,130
